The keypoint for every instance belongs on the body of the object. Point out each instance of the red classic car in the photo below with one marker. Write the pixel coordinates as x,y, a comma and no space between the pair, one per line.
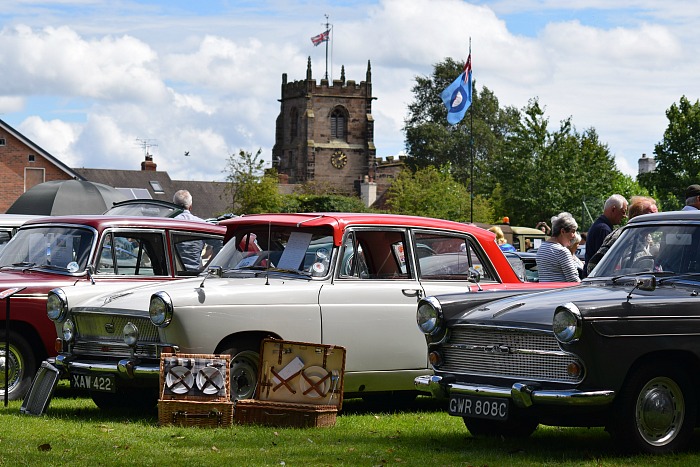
115,251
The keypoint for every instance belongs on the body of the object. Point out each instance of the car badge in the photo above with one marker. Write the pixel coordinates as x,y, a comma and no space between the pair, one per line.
109,327
497,348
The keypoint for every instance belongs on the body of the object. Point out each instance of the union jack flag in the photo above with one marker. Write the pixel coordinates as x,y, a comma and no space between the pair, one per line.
323,37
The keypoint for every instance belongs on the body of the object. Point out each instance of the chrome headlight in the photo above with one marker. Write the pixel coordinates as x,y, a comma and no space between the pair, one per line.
567,323
131,334
68,331
161,309
429,315
57,305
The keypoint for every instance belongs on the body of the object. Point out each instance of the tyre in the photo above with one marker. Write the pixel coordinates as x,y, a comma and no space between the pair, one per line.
244,372
21,364
126,400
517,426
656,410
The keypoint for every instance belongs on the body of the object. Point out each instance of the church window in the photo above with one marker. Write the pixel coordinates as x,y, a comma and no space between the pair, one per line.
338,124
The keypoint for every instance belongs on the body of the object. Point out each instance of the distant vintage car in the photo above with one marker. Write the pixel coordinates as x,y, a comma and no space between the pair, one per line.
344,279
67,251
621,350
9,223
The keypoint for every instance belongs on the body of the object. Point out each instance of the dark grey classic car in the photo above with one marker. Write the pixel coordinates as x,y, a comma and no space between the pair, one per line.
621,350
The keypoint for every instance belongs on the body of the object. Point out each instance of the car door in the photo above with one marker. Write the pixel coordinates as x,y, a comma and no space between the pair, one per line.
443,261
370,307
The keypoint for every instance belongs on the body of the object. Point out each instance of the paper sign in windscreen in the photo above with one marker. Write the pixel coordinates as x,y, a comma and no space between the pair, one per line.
295,250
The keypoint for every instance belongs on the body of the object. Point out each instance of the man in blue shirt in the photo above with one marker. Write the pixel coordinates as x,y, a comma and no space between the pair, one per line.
614,210
191,251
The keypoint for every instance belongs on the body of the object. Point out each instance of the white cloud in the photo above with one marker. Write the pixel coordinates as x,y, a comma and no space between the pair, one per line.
85,86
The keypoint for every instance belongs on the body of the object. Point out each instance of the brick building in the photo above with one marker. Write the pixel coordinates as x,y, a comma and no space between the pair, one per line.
23,164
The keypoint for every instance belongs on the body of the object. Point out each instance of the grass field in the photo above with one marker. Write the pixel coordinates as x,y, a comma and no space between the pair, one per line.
74,432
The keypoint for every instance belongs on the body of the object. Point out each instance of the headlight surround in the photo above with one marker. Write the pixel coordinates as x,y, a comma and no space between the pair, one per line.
68,330
57,305
567,323
160,309
131,334
429,315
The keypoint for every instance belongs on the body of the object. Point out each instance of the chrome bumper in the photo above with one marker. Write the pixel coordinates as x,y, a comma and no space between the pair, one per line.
522,394
126,368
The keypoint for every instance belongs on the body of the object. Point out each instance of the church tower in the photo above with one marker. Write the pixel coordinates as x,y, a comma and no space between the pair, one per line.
325,132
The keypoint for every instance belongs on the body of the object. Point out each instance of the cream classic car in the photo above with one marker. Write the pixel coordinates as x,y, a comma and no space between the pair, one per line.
344,279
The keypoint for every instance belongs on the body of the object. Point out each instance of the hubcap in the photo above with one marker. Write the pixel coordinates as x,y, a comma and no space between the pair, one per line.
14,371
244,375
660,410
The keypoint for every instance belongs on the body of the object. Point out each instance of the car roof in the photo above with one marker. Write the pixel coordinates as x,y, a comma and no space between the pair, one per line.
667,216
340,221
16,220
101,222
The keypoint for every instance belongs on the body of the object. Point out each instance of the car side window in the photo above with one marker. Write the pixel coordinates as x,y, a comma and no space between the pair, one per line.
132,254
375,254
447,257
193,252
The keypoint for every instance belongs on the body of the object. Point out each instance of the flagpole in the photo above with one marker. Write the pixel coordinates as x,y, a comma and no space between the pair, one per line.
471,151
327,29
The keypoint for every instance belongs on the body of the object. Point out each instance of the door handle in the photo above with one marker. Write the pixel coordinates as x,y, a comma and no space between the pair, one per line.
412,292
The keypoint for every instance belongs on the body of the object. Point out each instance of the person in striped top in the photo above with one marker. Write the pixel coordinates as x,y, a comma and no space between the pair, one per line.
554,260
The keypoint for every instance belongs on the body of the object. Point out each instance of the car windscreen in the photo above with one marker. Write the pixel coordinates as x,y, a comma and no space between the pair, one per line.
671,248
59,247
282,248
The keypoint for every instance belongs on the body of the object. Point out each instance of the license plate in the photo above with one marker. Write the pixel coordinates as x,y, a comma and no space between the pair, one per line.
491,408
99,383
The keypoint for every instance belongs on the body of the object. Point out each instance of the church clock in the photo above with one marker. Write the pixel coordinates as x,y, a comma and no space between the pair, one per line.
339,159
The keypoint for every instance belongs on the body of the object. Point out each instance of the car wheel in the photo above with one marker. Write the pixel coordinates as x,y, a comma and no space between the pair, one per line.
517,426
656,412
244,373
21,366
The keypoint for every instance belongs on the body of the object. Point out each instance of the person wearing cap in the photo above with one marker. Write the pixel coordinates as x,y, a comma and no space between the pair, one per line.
692,198
614,210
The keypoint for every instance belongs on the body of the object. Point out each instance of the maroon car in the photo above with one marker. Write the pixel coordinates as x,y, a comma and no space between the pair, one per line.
114,251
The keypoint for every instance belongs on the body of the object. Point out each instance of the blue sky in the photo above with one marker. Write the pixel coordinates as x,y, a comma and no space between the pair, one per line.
85,79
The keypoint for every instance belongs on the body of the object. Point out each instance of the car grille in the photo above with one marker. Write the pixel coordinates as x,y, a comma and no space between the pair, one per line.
507,353
93,338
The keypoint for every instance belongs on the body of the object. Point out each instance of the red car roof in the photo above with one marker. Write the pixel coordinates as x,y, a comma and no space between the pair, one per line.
340,221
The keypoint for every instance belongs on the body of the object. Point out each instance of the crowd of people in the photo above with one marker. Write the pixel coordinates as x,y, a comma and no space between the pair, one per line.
556,257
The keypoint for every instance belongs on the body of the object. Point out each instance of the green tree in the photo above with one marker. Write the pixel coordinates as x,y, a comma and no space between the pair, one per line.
250,189
544,172
302,202
677,155
434,193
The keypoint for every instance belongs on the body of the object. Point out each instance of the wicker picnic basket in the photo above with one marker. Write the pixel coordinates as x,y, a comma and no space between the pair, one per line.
300,384
284,414
194,390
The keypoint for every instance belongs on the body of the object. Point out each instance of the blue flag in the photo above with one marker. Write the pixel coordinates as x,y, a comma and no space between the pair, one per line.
458,95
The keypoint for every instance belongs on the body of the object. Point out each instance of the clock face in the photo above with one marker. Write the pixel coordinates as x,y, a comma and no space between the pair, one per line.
338,159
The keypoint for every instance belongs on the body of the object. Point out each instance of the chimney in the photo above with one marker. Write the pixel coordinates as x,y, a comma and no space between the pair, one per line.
148,164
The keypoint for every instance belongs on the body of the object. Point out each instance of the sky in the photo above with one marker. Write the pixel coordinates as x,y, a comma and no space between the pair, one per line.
96,83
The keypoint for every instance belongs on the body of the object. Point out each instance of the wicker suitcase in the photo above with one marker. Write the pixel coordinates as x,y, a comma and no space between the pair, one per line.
300,384
195,390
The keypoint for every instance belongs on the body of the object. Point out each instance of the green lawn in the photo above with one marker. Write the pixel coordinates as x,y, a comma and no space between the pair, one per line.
74,432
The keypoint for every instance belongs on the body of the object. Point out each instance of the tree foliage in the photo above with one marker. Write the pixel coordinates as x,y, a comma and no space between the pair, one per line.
434,193
677,155
249,189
